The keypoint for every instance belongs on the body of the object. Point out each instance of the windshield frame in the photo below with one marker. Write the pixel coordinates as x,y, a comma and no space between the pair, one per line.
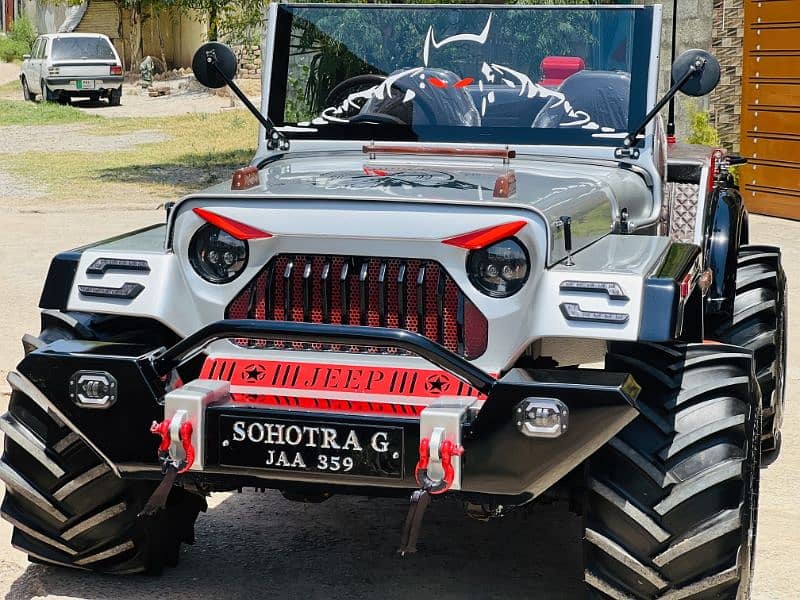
276,74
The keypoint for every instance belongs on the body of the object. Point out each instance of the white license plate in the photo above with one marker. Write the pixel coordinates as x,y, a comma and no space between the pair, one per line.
85,84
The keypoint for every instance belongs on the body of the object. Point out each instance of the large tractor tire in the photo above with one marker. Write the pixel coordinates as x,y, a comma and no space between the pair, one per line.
671,501
759,324
67,505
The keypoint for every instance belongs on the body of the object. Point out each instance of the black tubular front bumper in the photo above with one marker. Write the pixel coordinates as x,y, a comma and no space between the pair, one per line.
498,459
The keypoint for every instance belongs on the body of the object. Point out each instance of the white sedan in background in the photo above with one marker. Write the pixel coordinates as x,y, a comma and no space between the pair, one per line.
62,66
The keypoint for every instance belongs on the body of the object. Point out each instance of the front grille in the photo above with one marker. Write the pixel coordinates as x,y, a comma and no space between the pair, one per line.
413,294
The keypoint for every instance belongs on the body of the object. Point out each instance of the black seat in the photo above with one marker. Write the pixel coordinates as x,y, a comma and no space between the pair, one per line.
603,95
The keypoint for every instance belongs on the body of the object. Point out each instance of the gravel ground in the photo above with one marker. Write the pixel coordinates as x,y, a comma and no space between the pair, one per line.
74,137
345,547
15,188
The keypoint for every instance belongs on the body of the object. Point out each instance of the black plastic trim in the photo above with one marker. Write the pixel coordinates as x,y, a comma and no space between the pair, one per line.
60,278
662,309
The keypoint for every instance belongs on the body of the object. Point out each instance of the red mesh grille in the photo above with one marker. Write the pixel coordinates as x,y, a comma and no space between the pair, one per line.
379,292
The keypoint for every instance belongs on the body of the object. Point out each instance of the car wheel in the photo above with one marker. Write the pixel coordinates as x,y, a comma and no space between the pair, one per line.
759,323
26,91
671,503
47,94
115,97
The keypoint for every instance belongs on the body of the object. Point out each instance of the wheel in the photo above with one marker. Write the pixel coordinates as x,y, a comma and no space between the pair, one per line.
671,501
26,91
68,507
115,97
47,94
759,324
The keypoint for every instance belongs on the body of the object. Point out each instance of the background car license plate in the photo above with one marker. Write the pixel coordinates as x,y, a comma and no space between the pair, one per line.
311,446
85,84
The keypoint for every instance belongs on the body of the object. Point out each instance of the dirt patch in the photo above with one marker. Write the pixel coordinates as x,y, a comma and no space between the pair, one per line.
76,137
8,72
186,96
17,189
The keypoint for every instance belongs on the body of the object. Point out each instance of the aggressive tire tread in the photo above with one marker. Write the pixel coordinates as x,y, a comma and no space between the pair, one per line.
758,323
67,505
670,504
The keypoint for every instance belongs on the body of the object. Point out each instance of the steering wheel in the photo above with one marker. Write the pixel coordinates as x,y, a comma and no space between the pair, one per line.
359,83
377,119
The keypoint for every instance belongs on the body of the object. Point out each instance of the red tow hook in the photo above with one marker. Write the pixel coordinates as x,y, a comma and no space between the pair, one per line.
185,434
446,452
188,449
162,429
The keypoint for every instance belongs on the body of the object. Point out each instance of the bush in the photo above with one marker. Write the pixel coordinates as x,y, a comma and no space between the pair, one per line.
24,32
19,40
11,49
702,131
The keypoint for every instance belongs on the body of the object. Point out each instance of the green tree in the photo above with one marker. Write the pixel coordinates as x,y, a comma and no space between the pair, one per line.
226,19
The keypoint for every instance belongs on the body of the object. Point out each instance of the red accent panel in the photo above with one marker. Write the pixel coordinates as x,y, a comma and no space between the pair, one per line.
717,156
235,228
266,295
436,82
464,82
332,405
555,69
318,377
475,240
476,331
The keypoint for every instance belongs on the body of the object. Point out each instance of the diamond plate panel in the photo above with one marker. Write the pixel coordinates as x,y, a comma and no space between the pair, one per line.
683,214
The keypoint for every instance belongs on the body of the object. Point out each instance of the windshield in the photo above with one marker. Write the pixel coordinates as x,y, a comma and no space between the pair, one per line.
525,75
68,48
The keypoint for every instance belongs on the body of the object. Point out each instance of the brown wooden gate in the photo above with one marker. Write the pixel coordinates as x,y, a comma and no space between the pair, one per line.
770,130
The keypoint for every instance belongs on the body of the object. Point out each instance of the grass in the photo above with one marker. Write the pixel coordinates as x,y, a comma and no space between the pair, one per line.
198,150
44,113
11,88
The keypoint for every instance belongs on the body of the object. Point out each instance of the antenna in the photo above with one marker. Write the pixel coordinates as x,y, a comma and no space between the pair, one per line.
671,111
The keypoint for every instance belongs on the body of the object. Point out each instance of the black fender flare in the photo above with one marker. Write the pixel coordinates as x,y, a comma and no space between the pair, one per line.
726,228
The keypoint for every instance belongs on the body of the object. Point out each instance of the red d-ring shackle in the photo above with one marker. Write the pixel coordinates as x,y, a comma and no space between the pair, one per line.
446,452
185,434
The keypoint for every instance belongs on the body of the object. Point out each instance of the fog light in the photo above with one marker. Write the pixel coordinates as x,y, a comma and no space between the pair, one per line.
93,389
542,417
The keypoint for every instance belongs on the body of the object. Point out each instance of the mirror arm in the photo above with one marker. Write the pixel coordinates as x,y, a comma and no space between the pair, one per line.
698,66
275,139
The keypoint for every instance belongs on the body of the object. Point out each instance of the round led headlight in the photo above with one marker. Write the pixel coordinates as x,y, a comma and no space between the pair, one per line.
217,256
499,270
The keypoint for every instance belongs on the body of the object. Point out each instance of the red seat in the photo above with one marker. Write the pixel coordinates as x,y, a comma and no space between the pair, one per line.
555,69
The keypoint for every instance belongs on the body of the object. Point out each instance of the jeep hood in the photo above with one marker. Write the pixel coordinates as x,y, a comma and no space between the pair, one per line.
590,193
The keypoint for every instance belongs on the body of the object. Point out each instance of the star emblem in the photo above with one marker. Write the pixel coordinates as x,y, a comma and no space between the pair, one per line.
437,384
254,372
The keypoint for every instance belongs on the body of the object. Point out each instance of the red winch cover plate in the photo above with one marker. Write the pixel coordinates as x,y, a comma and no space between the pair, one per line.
334,387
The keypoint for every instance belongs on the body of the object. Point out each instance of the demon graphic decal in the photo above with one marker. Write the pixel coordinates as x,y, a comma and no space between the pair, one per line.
429,95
